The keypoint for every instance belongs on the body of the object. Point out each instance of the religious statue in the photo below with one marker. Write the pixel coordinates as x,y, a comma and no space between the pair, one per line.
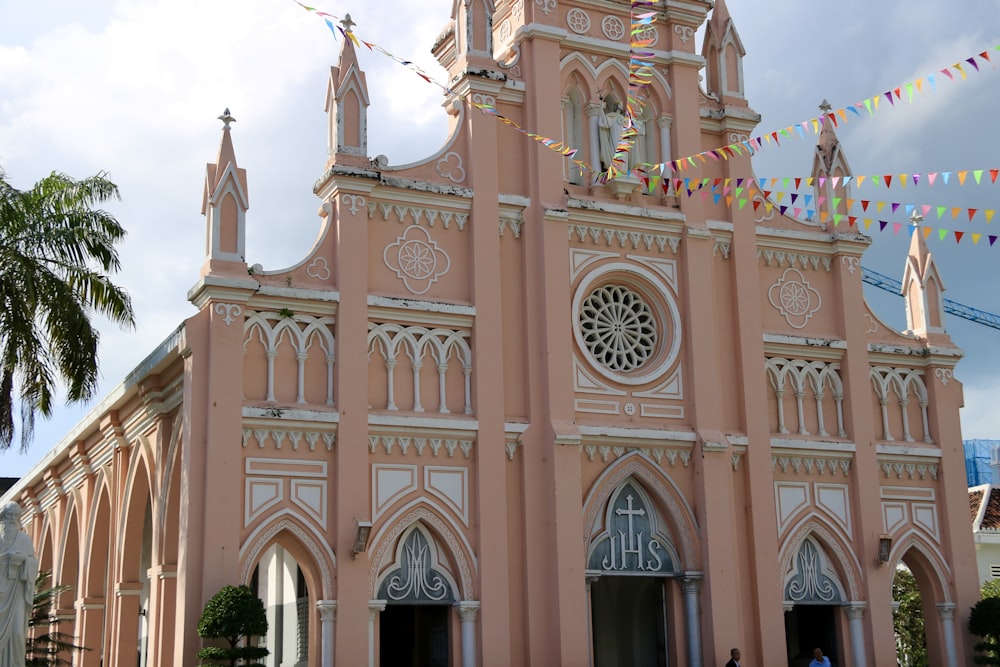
610,127
18,569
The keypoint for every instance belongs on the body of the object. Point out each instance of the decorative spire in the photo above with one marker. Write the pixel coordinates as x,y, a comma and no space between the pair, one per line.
224,204
347,104
923,287
723,52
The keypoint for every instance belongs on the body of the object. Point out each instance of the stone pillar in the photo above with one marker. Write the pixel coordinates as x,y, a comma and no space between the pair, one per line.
374,607
468,610
664,124
327,615
594,112
691,585
855,615
946,611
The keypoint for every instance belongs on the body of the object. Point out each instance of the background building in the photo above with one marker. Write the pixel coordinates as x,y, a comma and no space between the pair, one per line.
504,413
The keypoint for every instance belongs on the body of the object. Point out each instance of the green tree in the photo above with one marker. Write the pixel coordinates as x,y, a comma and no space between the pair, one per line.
46,646
57,251
984,621
908,620
991,588
236,615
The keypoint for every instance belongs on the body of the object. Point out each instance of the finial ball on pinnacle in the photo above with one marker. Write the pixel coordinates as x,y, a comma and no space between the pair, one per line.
347,23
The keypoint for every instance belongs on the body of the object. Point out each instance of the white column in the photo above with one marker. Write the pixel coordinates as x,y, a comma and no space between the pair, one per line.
594,112
691,585
664,123
468,610
327,615
946,610
855,615
374,607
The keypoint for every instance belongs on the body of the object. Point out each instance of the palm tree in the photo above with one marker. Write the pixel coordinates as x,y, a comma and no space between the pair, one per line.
57,249
46,646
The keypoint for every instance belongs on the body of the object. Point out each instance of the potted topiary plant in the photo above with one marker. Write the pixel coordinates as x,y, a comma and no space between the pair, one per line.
236,615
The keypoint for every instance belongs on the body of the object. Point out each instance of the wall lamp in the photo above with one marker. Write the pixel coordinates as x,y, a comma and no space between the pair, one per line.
884,547
362,531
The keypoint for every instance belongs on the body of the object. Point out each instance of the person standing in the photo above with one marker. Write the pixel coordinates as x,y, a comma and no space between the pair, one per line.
734,658
18,569
819,660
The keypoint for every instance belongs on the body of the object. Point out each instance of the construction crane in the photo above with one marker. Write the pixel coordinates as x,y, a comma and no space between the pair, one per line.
952,307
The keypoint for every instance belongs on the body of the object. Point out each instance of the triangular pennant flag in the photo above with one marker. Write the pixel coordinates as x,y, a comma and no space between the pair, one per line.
941,210
942,233
961,177
895,206
931,178
975,237
989,214
946,175
972,213
882,224
978,175
993,175
896,227
924,209
888,180
861,180
954,212
902,180
993,239
958,236
868,223
972,61
927,231
798,212
864,204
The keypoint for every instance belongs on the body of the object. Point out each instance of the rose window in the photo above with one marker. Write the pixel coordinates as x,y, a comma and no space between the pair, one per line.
618,327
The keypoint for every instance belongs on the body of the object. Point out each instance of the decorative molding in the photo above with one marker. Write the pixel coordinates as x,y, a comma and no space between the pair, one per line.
419,214
852,262
319,269
811,465
229,311
722,247
271,330
613,28
483,99
395,343
794,298
251,556
450,167
654,454
354,203
622,238
684,32
944,375
420,445
425,516
903,470
872,324
513,221
578,20
546,5
416,259
279,436
806,262
896,387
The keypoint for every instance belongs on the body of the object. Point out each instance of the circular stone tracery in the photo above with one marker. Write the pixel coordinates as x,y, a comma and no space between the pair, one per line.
618,327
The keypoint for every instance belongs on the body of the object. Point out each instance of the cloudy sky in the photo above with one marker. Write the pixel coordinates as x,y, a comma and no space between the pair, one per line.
134,88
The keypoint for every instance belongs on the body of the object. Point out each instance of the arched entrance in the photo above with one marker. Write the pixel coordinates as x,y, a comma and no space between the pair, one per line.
280,583
813,597
419,592
630,568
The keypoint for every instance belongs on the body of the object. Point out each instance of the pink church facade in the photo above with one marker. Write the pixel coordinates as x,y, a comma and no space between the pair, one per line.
502,414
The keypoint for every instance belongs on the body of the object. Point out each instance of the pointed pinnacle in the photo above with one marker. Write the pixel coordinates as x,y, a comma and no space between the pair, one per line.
824,106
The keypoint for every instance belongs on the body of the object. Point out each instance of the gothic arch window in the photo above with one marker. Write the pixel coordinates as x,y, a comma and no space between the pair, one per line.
632,541
812,579
418,573
573,123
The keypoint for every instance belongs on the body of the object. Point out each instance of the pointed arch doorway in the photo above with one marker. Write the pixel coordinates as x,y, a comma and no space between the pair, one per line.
814,597
631,567
415,628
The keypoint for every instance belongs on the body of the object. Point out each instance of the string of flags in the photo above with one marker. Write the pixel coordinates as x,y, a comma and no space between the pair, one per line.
652,175
752,192
640,74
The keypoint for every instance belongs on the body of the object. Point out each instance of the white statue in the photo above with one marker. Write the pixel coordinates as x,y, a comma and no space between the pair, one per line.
610,127
18,569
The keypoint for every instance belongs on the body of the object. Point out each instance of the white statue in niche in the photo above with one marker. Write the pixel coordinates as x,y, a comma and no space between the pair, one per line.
611,124
18,569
